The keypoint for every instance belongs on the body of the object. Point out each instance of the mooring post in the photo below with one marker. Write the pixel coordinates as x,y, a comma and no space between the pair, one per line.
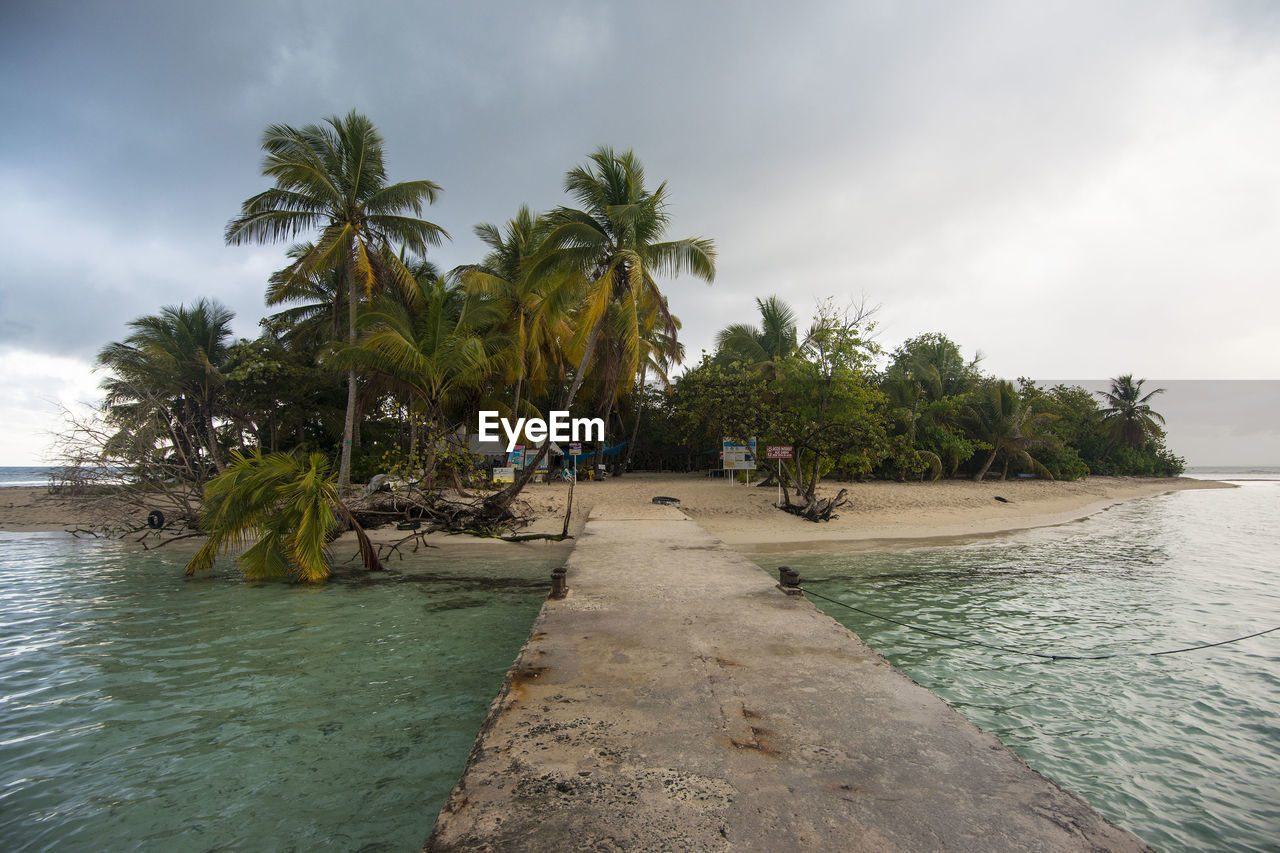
789,581
559,583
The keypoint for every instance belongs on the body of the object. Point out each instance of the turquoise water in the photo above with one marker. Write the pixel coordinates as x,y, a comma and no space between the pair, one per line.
1182,749
142,710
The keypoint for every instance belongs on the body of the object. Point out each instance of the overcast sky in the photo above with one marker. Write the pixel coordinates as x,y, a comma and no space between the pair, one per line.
1075,189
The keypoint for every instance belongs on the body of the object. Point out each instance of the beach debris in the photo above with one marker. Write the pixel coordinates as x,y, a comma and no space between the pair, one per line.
155,519
818,509
1003,500
666,501
377,483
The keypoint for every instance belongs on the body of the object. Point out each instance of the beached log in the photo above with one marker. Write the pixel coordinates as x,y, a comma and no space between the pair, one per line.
818,509
436,512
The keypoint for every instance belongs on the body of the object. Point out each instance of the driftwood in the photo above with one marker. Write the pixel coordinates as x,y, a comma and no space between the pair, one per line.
818,509
434,512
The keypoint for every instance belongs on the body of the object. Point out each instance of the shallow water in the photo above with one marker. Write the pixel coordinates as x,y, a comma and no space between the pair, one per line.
141,710
1182,749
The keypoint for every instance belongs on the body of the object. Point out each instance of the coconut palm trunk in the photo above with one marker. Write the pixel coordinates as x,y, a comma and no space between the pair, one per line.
213,445
349,422
635,428
333,177
986,466
501,501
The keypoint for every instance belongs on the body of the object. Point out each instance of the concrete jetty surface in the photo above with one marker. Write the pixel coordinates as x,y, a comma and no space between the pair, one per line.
678,700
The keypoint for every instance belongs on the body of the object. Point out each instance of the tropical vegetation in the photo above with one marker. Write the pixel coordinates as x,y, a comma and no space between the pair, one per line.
377,362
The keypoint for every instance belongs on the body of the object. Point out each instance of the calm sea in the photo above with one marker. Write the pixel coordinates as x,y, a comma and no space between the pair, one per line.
1182,749
143,710
36,475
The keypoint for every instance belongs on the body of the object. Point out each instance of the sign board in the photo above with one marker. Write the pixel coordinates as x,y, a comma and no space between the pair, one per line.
738,456
575,449
777,452
544,464
504,475
516,459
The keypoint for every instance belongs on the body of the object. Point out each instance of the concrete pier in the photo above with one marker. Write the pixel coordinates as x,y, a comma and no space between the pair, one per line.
677,700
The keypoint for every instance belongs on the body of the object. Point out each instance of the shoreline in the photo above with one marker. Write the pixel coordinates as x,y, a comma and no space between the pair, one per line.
880,515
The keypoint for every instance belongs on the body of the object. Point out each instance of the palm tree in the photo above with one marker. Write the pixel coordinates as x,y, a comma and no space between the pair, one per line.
1127,417
289,505
615,242
534,311
430,349
167,378
333,177
661,352
773,340
1000,418
935,364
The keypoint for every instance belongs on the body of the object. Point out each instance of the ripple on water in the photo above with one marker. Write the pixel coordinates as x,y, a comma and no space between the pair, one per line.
1182,749
142,710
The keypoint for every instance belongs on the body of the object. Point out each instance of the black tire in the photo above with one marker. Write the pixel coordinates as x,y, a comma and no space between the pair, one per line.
155,519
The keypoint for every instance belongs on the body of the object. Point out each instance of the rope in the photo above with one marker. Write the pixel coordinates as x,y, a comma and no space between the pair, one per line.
1044,655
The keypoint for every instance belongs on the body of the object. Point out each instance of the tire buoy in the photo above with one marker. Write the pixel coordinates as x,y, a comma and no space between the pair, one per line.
155,519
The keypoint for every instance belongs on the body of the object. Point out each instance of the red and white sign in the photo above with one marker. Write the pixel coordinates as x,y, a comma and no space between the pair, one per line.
777,452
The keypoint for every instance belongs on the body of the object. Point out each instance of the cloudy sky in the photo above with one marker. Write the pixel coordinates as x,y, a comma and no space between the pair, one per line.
1077,189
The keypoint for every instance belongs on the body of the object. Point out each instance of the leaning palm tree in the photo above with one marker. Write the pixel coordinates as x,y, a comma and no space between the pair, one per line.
333,177
615,241
289,507
999,418
168,372
1128,417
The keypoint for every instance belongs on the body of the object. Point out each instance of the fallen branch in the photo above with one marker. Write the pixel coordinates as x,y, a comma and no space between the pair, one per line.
818,509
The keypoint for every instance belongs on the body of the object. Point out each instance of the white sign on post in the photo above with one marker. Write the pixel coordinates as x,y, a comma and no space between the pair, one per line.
738,456
779,452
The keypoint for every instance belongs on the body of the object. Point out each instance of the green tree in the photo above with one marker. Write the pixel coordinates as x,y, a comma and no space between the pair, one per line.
774,339
534,311
430,348
1127,417
165,388
615,241
333,177
934,363
288,505
829,411
1000,419
928,382
279,396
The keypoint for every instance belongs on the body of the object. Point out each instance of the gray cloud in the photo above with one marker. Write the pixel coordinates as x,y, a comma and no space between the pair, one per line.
1074,188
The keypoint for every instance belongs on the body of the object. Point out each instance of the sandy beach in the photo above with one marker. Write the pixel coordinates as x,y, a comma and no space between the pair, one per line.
879,514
